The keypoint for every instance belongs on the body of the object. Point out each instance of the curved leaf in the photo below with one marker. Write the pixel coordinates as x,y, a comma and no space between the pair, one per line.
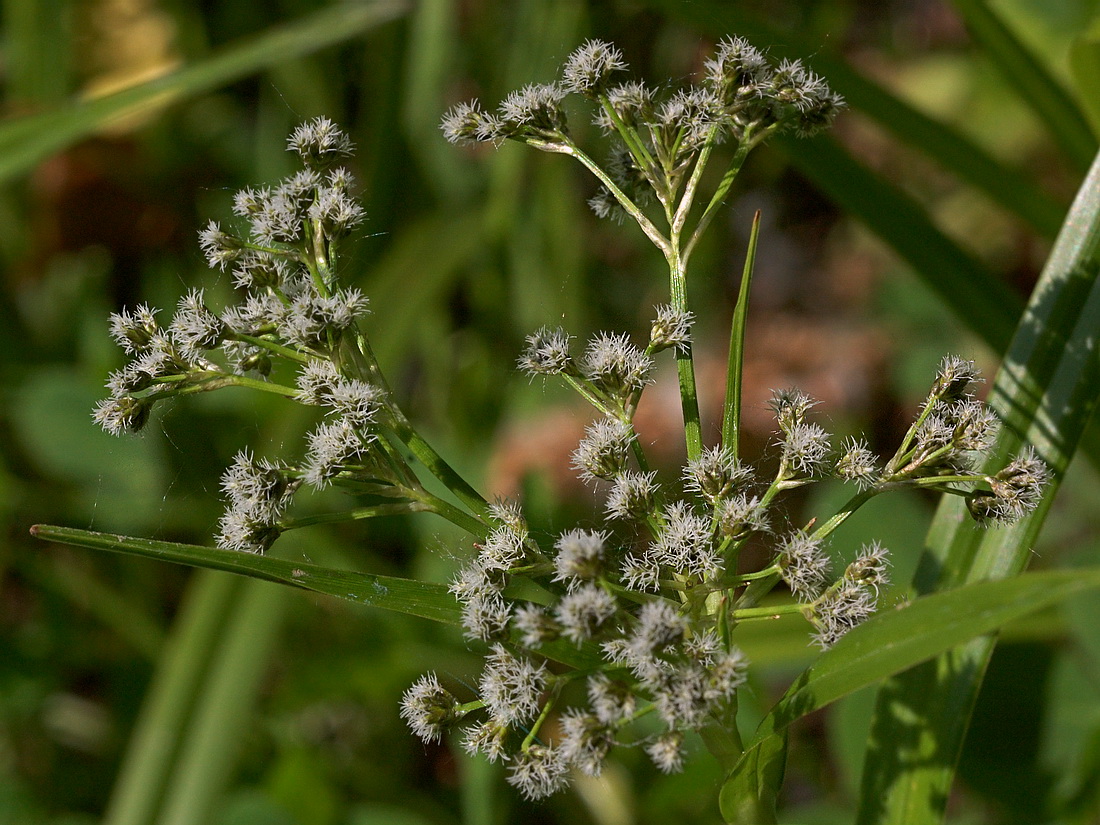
886,644
28,140
429,601
1046,392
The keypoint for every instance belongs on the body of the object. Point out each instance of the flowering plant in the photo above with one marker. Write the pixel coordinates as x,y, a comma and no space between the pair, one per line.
625,633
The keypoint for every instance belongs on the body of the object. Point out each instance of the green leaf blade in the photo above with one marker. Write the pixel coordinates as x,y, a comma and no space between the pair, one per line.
423,599
889,643
28,140
1047,393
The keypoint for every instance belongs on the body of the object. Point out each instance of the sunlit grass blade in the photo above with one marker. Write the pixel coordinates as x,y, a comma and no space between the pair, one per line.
28,140
968,161
980,300
889,643
1032,81
735,361
1046,392
429,601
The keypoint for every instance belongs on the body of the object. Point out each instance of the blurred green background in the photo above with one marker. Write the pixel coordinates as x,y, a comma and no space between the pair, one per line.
130,123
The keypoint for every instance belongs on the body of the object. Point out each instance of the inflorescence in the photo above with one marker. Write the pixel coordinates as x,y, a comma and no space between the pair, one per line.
623,634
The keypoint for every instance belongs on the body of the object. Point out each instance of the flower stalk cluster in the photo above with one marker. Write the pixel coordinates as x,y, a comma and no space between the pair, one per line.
622,633
294,332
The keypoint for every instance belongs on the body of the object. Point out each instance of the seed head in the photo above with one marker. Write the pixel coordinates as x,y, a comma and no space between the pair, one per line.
857,463
511,687
580,556
615,365
584,611
585,741
632,495
955,379
612,701
536,627
547,353
603,451
1016,490
220,247
715,474
671,329
332,446
805,565
533,110
588,70
134,332
486,618
429,708
194,327
667,751
116,415
871,567
840,609
320,142
685,543
489,738
539,771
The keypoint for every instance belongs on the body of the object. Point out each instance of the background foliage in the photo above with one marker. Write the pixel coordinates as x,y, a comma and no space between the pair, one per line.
917,228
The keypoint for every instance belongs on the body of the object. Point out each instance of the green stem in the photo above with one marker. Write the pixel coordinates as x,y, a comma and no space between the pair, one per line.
373,511
588,394
219,380
771,612
684,208
271,346
853,504
743,148
685,364
363,361
631,138
533,733
626,203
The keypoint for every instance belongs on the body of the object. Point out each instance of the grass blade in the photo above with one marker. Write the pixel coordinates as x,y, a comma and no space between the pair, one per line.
1032,82
28,140
889,643
978,298
1047,391
413,598
429,601
731,411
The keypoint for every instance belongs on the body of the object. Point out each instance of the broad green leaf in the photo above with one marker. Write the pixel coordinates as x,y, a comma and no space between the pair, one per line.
749,795
429,601
949,147
28,140
1031,80
887,644
1046,392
